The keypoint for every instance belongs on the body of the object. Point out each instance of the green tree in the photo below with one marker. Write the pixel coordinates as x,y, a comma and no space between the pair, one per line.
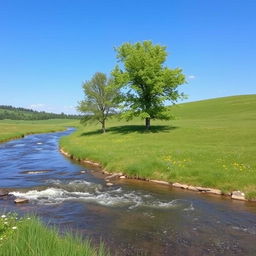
146,83
99,99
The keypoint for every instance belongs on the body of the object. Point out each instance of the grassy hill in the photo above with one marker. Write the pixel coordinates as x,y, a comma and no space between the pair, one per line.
211,143
235,107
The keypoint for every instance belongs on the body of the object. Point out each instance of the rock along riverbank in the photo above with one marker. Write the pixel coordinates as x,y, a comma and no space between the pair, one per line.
236,195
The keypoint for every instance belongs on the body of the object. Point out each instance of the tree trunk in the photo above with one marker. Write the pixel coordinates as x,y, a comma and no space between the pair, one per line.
103,126
147,123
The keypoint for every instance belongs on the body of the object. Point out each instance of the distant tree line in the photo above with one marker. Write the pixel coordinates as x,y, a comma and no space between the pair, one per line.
17,113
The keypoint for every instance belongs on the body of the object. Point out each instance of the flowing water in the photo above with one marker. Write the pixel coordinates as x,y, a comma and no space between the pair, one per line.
131,217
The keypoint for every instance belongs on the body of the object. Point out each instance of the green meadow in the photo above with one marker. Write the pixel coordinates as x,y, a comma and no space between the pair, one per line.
11,129
210,143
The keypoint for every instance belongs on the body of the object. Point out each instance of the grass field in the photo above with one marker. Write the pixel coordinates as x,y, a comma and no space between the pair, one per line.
211,143
10,129
29,237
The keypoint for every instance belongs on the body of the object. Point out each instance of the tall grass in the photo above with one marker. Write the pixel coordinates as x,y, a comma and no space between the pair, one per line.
211,143
32,238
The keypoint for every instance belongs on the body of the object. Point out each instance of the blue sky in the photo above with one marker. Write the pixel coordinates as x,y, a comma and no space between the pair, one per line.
47,48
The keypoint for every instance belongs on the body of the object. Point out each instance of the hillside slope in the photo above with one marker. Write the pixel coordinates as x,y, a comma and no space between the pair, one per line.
235,107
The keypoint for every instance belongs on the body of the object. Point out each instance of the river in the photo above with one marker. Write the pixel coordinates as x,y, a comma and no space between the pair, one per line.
131,217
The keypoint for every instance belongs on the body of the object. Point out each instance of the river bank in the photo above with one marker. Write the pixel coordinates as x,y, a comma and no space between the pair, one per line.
236,195
15,129
28,236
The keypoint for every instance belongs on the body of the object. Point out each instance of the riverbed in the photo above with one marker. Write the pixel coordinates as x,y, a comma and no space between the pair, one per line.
132,217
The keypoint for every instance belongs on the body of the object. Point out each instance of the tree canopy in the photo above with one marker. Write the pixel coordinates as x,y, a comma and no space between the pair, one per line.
99,99
146,83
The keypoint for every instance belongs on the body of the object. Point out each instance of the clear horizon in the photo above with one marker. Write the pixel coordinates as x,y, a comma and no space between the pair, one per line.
48,48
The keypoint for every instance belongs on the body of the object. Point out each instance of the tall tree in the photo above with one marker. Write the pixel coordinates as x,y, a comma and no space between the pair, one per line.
147,84
99,99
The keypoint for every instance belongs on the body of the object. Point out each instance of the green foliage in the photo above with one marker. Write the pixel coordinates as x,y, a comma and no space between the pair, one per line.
29,237
8,225
210,143
13,113
147,84
99,99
